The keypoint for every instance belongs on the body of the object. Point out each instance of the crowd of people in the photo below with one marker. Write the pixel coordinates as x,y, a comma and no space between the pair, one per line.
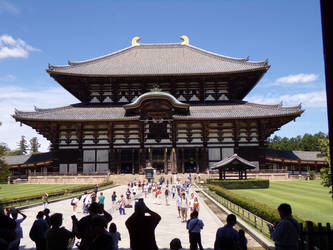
97,231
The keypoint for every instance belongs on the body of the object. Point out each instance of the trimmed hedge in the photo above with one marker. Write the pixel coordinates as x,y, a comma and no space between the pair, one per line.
255,207
240,184
37,196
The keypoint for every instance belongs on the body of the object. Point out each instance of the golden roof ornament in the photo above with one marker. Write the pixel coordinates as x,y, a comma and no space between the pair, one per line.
185,39
135,41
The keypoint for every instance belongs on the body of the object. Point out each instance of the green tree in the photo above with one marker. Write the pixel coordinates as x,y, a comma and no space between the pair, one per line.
4,168
325,173
34,145
22,146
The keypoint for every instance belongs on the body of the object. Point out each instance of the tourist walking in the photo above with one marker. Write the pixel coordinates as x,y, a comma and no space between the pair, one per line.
227,237
101,199
115,235
194,226
178,201
174,191
191,202
196,204
74,203
166,194
286,233
145,237
45,200
114,199
38,231
122,204
184,207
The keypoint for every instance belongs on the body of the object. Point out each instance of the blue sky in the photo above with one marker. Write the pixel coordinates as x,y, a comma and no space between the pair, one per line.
35,33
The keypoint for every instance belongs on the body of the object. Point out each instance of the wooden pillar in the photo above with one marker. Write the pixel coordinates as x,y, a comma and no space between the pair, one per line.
150,156
118,155
224,174
245,175
183,167
197,160
316,167
166,160
220,173
142,159
299,167
132,160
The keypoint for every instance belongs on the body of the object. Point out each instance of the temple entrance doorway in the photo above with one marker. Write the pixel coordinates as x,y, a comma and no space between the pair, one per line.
190,160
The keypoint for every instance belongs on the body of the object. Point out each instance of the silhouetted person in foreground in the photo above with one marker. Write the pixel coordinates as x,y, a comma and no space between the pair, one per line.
57,237
18,229
242,240
84,227
194,226
38,231
141,228
227,238
286,233
175,244
7,229
102,239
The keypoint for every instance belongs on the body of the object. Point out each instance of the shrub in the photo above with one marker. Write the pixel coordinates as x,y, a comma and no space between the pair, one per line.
240,184
53,194
312,175
255,207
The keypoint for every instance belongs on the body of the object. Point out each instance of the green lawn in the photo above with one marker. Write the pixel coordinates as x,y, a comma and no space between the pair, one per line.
19,190
308,199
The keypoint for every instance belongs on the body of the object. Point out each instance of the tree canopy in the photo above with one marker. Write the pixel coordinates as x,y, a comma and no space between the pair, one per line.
307,142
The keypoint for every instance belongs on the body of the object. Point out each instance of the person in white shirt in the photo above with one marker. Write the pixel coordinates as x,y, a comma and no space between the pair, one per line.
184,207
191,203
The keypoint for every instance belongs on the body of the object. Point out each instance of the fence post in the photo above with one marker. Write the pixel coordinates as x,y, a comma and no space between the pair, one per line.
309,234
329,236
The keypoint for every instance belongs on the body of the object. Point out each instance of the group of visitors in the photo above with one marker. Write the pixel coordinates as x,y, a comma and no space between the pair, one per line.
95,230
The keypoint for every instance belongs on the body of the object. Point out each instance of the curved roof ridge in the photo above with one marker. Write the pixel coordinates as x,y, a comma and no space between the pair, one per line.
233,59
279,105
43,110
75,63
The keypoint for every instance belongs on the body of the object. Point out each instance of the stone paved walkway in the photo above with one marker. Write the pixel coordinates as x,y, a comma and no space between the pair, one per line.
170,226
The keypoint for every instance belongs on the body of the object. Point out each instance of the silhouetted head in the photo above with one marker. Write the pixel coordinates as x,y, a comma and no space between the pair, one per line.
112,228
99,222
140,207
284,210
40,215
231,219
194,214
13,212
56,220
241,233
94,208
46,211
175,244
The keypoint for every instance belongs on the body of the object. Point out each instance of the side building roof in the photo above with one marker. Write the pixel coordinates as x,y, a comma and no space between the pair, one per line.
294,155
159,59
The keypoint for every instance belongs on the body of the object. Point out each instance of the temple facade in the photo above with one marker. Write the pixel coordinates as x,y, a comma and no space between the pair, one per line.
175,107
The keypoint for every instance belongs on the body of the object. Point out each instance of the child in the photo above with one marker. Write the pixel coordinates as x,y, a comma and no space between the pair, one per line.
115,235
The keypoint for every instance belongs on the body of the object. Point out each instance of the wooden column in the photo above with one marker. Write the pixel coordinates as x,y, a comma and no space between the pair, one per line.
118,154
183,167
166,160
220,173
133,165
299,167
197,160
150,156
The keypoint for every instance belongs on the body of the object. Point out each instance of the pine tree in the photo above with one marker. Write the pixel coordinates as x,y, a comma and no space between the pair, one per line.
34,145
22,146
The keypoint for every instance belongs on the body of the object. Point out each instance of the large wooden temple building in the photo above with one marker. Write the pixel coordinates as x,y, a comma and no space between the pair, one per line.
175,107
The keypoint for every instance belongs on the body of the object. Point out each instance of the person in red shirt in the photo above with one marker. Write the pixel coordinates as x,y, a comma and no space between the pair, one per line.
141,228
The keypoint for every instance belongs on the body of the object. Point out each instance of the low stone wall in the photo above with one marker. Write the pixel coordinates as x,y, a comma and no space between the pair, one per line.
125,178
64,179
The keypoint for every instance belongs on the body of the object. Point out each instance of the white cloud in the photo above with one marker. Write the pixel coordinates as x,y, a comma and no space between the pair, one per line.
298,78
9,47
7,7
7,78
315,99
23,99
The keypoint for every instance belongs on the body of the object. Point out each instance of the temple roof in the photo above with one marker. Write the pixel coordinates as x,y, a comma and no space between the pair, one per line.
27,159
294,155
233,161
236,110
159,59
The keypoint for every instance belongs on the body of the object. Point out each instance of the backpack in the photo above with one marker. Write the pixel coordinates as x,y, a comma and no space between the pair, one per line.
72,202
